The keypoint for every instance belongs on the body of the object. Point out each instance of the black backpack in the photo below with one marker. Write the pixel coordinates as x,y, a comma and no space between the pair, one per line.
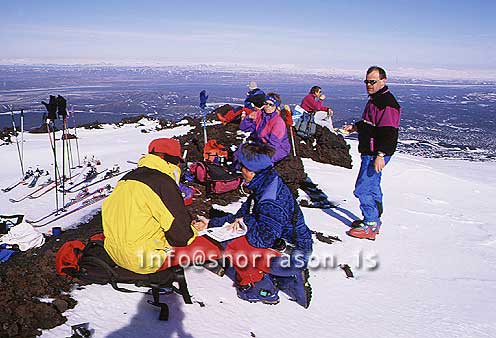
305,127
94,266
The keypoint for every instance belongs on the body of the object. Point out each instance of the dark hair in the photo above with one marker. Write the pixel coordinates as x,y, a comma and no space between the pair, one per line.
275,96
382,72
314,89
250,150
168,158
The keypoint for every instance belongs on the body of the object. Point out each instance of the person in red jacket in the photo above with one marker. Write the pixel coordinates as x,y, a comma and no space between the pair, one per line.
314,101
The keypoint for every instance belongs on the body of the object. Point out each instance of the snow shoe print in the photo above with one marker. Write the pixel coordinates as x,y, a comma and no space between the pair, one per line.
263,291
296,287
364,231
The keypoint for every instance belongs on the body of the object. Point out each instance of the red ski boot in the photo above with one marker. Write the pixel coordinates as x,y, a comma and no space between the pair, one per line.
367,230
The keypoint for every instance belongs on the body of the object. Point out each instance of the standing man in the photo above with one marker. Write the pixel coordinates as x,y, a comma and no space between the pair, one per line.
377,137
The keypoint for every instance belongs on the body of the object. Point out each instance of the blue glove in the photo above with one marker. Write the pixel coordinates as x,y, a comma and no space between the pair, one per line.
203,99
6,253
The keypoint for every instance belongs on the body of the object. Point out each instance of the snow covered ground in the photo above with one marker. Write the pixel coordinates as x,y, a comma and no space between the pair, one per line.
430,273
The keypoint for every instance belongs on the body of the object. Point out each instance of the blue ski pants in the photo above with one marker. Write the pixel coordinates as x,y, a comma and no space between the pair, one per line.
368,189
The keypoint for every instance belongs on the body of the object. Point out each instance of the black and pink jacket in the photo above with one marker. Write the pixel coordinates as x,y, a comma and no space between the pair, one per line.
378,129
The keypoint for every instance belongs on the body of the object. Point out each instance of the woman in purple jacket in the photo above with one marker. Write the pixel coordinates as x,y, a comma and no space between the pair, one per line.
267,126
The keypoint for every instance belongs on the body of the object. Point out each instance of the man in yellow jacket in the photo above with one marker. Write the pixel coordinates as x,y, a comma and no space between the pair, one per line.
145,216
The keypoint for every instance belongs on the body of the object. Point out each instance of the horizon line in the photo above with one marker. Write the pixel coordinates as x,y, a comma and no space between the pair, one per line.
414,73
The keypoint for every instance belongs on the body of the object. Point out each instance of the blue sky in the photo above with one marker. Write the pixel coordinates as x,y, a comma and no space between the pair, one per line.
338,34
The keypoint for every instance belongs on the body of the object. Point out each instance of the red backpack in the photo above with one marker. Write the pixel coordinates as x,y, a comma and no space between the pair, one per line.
215,152
216,179
67,258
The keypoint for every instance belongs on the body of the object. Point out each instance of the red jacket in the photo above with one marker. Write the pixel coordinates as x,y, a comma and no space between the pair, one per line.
313,103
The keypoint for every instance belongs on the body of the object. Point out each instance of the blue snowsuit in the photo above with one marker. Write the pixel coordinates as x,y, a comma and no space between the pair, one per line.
271,215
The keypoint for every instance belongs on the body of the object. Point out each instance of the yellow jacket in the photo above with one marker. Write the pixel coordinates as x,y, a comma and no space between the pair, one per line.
145,215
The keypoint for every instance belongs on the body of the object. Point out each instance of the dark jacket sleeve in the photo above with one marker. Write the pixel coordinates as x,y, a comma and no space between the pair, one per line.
180,231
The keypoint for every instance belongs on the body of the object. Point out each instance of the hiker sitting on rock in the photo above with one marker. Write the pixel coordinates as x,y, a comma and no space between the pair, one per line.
267,126
145,222
272,218
314,102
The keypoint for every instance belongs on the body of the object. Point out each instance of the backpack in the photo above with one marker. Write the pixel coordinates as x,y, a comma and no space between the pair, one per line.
287,116
305,125
216,179
91,263
188,193
215,152
222,110
8,221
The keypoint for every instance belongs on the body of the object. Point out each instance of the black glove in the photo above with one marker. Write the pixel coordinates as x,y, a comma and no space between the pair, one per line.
51,107
62,106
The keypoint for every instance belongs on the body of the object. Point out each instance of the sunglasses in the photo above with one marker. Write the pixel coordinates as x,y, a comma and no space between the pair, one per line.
370,82
270,104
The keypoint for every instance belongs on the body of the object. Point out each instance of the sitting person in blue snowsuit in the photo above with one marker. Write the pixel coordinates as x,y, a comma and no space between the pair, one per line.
272,217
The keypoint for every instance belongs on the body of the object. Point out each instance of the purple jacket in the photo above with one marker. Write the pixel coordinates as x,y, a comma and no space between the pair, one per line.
270,129
313,103
378,129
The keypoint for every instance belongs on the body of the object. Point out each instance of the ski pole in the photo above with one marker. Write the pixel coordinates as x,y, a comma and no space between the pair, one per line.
205,138
292,140
70,159
22,137
17,140
55,160
63,160
75,134
203,106
289,118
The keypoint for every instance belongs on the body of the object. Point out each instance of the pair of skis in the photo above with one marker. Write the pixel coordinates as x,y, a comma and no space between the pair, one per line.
27,175
110,173
44,188
49,183
85,204
84,195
